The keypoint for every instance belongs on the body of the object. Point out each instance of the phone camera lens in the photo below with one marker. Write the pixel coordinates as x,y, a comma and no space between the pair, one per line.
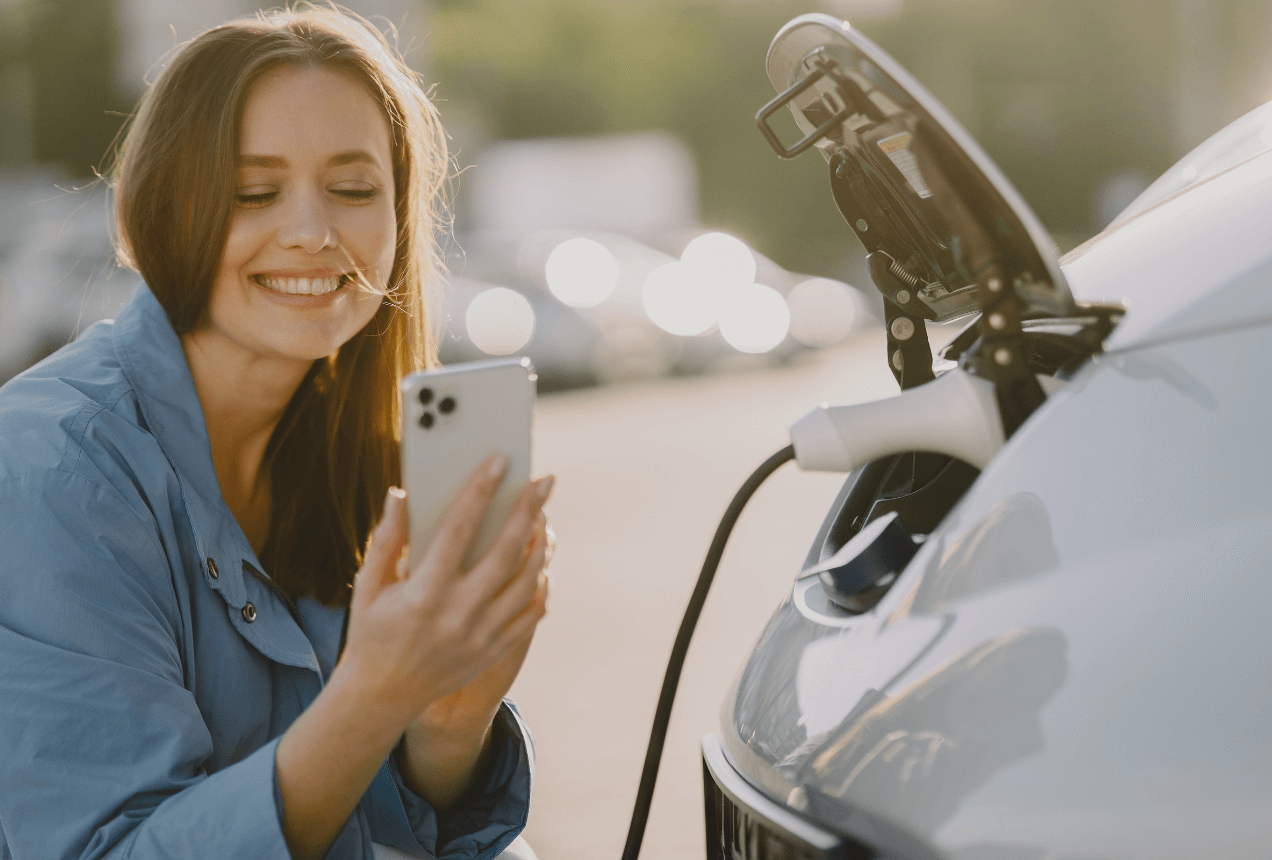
426,396
446,406
426,420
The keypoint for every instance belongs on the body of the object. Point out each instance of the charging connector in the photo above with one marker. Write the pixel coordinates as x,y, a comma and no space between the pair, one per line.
955,414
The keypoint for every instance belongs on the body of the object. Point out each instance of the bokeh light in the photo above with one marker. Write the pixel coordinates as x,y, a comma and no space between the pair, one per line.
720,260
679,303
755,318
581,272
823,312
500,321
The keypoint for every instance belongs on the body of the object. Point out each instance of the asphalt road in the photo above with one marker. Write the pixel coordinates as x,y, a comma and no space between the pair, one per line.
644,473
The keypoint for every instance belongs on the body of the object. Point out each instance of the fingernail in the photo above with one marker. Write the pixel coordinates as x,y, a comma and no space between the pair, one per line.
497,466
392,502
545,488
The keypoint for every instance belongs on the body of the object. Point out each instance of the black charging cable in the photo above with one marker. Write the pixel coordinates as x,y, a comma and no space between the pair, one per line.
662,715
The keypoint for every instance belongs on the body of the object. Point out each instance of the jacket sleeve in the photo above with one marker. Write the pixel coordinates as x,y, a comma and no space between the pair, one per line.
491,816
101,745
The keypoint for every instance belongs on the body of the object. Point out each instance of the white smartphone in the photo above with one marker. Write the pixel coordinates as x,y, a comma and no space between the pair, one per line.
453,419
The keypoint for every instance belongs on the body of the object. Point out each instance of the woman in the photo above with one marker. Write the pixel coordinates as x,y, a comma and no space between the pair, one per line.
200,653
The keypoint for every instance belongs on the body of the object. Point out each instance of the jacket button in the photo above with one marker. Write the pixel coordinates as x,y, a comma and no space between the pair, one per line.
212,571
249,613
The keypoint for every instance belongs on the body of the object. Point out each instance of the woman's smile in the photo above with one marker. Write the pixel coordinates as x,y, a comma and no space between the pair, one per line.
303,285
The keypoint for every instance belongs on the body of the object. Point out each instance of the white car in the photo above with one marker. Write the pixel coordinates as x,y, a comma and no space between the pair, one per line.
1067,652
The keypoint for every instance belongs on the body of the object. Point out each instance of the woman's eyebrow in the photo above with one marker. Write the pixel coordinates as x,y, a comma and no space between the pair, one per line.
272,161
277,162
353,156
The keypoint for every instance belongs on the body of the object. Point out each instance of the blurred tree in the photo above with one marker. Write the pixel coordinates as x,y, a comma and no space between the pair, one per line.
1061,93
1065,95
532,68
15,95
75,110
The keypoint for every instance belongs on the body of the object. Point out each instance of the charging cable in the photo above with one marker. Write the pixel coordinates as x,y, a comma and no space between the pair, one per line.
667,696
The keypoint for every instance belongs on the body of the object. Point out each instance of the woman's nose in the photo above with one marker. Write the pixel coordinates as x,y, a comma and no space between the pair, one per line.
307,225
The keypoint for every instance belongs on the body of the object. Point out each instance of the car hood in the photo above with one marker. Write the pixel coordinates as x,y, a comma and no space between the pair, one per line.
1195,261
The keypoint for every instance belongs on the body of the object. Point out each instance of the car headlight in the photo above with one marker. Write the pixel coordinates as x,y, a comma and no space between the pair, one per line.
743,824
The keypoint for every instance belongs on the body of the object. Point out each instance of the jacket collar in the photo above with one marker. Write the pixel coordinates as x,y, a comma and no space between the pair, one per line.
150,354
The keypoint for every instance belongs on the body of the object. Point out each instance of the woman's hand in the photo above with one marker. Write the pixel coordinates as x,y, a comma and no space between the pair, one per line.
480,698
434,649
445,745
439,646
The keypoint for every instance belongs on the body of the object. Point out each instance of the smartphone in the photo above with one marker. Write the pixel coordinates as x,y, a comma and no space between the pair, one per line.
453,420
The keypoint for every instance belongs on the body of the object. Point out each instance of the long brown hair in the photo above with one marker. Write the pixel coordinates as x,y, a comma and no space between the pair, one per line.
334,453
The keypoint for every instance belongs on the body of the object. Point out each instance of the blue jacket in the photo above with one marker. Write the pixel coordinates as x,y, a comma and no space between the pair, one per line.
148,665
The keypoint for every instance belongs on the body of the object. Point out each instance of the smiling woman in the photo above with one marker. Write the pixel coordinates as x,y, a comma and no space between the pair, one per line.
288,170
307,256
205,648
274,145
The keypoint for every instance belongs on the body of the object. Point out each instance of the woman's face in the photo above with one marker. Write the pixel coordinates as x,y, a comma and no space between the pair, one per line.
314,209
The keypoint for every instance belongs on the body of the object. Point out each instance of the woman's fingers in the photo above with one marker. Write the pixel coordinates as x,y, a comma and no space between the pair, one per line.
446,626
518,632
544,589
550,536
463,518
379,565
540,538
502,560
519,591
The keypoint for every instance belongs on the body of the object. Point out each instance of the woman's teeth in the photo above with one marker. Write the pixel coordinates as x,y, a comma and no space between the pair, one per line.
301,286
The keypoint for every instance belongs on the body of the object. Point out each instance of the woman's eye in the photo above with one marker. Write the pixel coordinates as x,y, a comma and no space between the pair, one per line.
255,199
357,193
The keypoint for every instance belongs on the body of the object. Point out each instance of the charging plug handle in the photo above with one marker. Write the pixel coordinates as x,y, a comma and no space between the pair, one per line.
955,414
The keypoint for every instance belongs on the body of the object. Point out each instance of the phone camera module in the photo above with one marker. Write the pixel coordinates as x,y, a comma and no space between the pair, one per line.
426,396
426,420
446,406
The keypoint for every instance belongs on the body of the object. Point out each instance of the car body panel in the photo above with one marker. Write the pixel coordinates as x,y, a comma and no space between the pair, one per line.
1077,662
1196,263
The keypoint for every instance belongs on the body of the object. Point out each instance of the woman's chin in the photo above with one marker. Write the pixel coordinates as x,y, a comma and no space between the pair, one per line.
305,346
299,327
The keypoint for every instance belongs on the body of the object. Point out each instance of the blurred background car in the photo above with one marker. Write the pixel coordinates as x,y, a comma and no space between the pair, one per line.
584,254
